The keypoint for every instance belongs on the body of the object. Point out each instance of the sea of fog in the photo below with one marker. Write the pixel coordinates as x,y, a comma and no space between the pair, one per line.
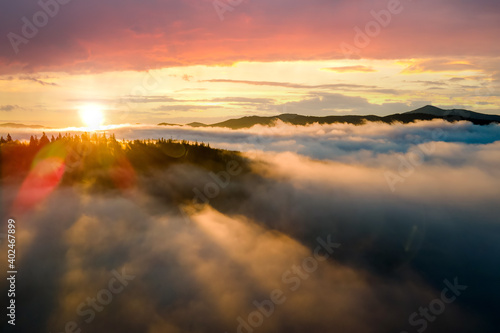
337,228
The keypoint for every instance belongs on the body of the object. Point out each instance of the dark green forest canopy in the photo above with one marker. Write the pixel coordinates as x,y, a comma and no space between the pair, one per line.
96,158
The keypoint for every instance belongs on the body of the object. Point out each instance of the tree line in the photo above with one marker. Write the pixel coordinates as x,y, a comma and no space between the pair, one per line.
98,157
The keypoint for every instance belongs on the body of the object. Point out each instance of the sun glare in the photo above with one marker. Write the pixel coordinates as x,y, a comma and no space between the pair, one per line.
92,116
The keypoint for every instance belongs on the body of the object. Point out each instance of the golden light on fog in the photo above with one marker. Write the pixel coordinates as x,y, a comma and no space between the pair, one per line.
92,116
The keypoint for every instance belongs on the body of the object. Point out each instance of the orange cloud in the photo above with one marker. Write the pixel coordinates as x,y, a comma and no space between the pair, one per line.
439,65
345,69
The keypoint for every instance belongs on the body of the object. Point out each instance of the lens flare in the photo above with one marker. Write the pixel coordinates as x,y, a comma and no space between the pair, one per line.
46,172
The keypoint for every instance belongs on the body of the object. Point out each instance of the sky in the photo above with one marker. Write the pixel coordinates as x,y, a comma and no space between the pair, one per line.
411,206
202,60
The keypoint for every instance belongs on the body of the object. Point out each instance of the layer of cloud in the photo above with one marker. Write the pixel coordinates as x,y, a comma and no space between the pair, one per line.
8,107
346,69
93,36
333,141
184,107
294,85
34,78
199,268
439,65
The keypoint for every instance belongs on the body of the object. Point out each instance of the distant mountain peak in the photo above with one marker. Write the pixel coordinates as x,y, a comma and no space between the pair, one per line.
428,112
456,114
428,109
16,125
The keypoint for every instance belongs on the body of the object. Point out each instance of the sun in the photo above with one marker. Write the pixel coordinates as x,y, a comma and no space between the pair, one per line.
92,115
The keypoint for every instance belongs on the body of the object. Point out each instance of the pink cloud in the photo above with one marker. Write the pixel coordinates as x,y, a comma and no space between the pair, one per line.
96,36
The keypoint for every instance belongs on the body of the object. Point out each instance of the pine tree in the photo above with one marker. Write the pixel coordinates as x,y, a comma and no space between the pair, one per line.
33,141
44,140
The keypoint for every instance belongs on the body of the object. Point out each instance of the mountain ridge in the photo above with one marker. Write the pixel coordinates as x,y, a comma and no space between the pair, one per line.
16,125
428,112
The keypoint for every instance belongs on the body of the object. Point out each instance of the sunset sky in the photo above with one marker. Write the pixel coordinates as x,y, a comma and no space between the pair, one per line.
181,61
284,224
